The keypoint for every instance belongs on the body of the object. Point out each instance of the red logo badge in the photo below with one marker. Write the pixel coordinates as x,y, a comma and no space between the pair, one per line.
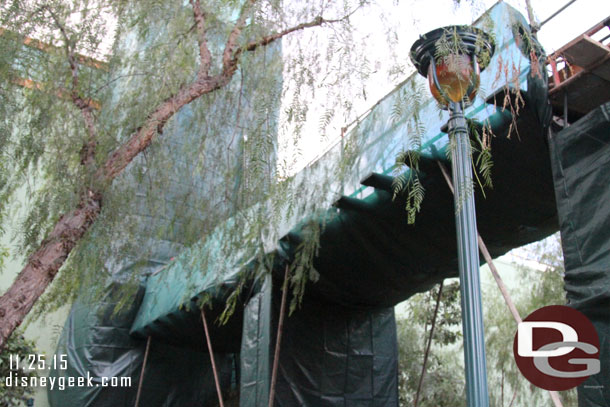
556,348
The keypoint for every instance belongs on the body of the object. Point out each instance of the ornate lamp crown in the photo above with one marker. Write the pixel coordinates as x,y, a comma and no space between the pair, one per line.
452,58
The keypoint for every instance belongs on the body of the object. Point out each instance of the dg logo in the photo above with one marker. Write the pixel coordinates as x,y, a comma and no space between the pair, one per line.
556,348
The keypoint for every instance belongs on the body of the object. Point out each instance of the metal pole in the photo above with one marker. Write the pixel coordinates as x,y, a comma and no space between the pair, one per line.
555,14
468,261
494,271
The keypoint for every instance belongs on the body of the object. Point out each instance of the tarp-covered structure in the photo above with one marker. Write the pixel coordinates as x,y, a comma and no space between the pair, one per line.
581,167
363,228
339,347
165,181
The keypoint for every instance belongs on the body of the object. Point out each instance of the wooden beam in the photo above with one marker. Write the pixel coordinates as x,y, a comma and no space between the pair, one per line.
61,93
46,47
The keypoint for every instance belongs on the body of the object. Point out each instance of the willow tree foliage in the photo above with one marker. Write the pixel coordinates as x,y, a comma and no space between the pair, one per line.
71,130
16,347
90,89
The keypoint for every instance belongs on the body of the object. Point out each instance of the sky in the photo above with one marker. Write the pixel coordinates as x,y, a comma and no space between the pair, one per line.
573,21
422,16
415,17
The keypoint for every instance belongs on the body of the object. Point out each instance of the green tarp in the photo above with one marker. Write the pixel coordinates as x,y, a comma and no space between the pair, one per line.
340,347
367,230
581,168
98,345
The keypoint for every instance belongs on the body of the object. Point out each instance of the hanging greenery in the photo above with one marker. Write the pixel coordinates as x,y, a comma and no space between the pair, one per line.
134,129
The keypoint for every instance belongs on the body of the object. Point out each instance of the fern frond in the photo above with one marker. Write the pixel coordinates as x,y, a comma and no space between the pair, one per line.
414,199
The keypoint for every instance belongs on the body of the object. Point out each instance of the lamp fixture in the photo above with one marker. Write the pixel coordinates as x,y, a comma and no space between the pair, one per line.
452,59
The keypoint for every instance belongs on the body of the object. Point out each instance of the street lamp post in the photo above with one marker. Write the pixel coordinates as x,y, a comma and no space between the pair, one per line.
451,58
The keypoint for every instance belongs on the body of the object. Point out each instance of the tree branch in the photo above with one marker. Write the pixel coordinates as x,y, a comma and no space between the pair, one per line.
228,60
45,262
318,21
154,123
87,152
205,58
68,48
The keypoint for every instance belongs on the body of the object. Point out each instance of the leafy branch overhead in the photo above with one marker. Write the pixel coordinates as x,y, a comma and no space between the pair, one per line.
408,105
76,131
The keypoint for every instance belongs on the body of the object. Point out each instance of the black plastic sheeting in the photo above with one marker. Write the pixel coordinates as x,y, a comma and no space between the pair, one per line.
581,168
331,355
336,356
256,350
98,345
339,348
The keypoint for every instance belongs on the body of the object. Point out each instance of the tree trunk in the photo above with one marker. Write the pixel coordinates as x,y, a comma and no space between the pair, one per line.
43,265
